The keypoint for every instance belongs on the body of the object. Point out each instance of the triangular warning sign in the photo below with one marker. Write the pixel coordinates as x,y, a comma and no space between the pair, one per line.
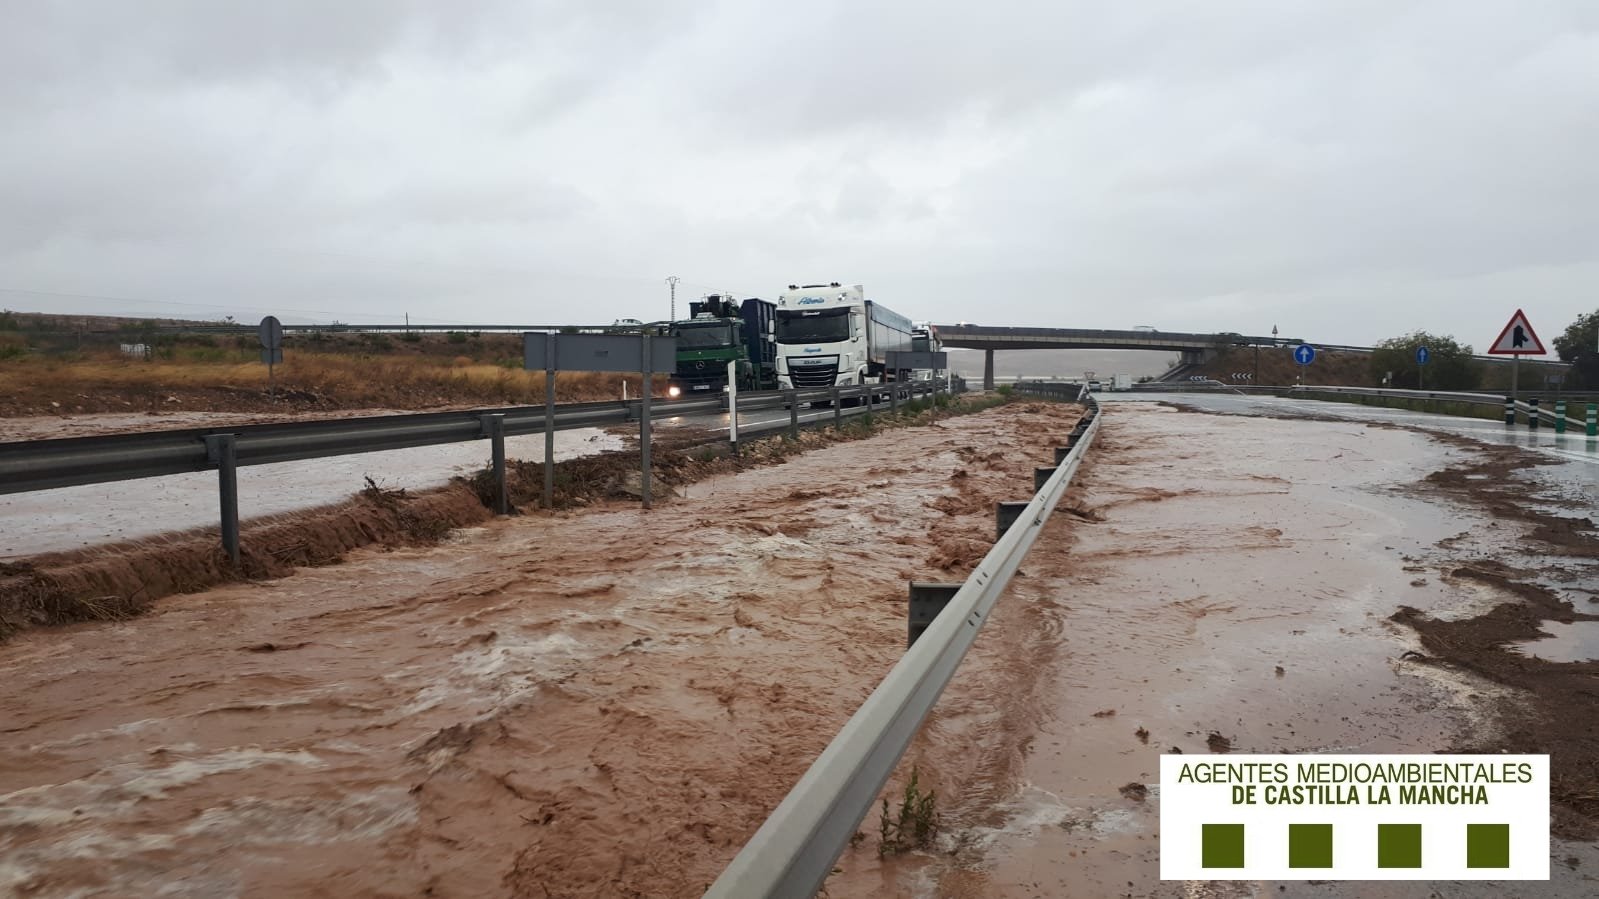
1517,339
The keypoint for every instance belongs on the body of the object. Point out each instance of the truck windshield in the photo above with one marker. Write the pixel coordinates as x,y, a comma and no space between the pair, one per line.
830,326
704,337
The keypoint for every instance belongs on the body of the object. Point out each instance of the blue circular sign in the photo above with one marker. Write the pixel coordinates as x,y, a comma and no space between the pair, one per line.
1422,355
1304,354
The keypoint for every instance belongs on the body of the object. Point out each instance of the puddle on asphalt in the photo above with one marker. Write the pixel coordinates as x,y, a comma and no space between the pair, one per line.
1574,642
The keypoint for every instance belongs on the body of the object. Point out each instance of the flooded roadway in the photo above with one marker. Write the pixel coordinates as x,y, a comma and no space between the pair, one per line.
612,706
1225,588
599,704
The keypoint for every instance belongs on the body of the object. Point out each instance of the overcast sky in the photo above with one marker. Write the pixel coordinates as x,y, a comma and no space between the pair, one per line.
1347,170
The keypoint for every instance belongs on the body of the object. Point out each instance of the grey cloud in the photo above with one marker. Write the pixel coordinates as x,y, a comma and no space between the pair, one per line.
1344,169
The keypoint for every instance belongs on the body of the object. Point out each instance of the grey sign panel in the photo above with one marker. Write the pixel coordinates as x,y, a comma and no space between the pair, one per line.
271,332
273,356
903,360
598,352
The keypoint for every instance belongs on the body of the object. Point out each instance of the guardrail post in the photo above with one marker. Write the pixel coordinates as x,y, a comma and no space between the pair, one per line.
732,404
646,390
1061,453
1593,420
838,410
1510,411
1532,413
893,398
1560,416
1041,477
793,414
219,451
549,420
926,601
494,426
1006,514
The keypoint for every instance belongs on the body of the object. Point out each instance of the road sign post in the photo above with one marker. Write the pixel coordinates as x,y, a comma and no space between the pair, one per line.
595,352
1560,416
1422,355
1592,420
271,334
1516,340
1304,354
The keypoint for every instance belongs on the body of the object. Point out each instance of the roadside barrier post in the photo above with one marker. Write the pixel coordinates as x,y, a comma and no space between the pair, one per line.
1510,411
926,601
1041,476
1593,420
494,426
838,410
1560,416
793,414
219,451
1532,413
1005,515
549,420
646,389
893,398
732,404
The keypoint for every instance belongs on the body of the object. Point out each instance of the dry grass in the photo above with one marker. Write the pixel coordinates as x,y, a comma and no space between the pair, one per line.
321,380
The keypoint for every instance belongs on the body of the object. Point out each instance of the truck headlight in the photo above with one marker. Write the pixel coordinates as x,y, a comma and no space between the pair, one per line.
674,391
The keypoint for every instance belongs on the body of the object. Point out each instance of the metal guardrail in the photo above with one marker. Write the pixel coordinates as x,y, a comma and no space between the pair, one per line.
32,465
1522,407
71,461
794,851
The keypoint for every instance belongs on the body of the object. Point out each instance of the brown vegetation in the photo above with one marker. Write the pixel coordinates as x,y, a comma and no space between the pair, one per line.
53,372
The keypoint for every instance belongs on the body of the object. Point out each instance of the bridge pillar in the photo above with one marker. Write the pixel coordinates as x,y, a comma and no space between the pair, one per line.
1197,357
988,369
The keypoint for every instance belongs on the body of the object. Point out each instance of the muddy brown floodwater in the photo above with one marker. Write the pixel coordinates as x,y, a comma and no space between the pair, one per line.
1226,584
606,703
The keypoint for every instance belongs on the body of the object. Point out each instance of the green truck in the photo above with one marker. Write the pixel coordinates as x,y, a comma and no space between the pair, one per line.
723,330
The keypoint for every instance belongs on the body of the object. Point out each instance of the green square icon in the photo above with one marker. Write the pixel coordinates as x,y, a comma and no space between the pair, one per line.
1310,846
1487,845
1399,845
1222,846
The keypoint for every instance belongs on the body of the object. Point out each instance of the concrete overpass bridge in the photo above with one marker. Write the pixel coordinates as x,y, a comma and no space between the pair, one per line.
1193,347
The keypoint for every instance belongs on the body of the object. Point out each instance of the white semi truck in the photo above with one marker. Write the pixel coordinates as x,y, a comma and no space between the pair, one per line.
829,335
924,339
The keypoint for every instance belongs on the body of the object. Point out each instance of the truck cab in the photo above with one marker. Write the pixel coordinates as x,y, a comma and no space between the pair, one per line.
721,331
830,335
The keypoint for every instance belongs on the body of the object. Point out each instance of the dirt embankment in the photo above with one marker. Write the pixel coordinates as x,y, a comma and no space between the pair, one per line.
120,580
607,704
1555,706
1277,367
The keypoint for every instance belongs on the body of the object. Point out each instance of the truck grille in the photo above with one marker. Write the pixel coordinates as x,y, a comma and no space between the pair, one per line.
812,371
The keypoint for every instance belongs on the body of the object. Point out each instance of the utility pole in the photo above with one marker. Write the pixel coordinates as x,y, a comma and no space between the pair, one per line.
672,283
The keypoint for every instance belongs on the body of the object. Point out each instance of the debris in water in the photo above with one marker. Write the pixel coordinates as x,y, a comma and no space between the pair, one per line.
1135,791
1218,743
1142,734
1105,713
